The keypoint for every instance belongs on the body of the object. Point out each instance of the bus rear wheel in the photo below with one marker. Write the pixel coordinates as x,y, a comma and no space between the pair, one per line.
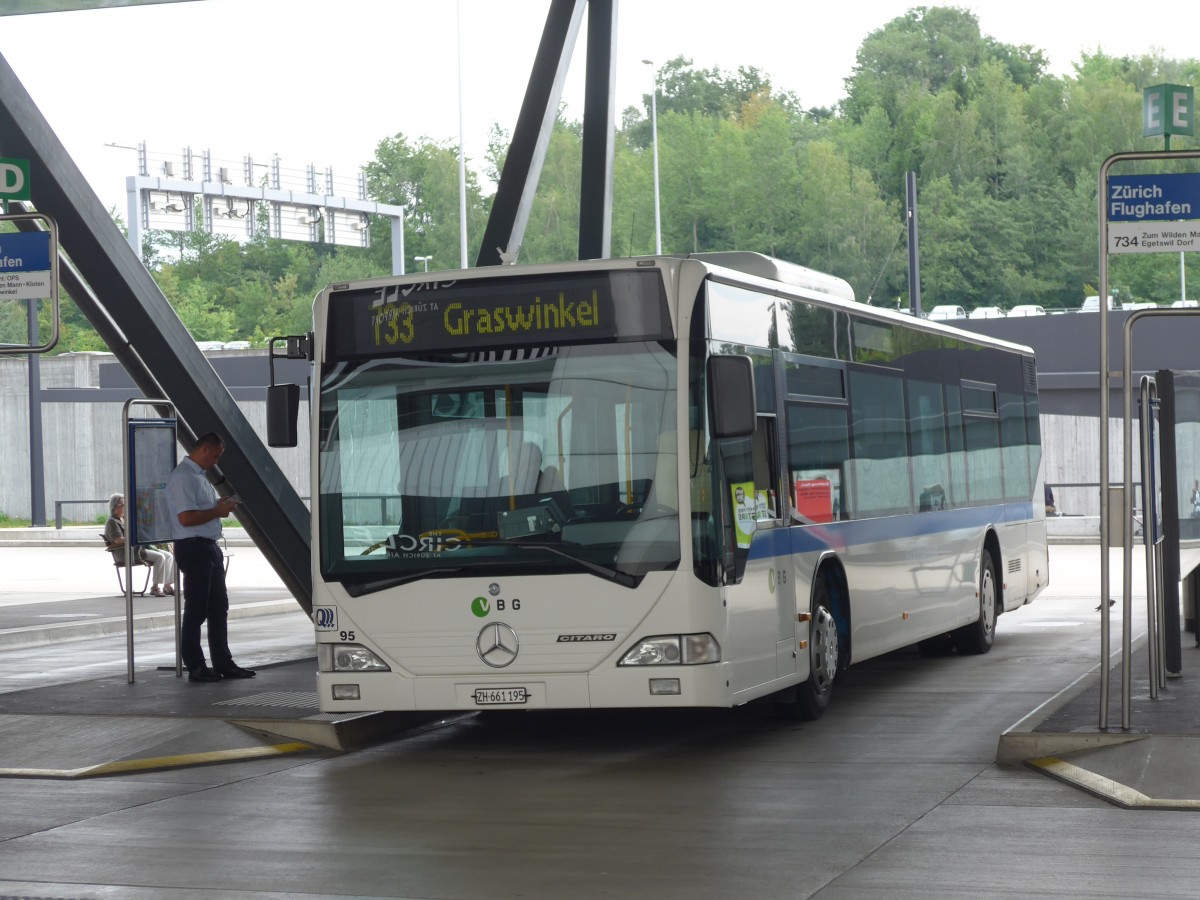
979,635
809,699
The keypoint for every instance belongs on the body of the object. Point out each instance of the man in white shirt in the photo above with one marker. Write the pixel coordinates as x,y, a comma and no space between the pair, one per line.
196,514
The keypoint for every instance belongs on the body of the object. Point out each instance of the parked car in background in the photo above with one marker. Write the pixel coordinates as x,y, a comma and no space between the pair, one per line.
942,313
1026,309
1185,304
1092,304
986,312
1140,305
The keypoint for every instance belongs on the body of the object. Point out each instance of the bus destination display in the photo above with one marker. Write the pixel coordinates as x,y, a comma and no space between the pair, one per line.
546,310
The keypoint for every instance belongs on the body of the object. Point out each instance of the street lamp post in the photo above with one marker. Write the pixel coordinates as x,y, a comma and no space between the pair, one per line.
462,159
654,142
424,259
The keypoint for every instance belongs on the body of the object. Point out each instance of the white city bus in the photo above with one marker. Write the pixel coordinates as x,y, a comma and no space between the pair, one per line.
655,482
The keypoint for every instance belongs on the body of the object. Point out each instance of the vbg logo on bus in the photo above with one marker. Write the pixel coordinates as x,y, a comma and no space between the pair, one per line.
425,545
325,618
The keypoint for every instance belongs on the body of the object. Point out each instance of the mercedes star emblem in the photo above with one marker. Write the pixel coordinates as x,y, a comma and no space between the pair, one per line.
497,645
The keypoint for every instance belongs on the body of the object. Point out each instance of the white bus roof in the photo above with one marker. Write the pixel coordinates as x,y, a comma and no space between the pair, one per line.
778,270
836,290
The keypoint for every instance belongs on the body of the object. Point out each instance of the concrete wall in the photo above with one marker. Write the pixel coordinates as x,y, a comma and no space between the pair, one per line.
81,433
1071,455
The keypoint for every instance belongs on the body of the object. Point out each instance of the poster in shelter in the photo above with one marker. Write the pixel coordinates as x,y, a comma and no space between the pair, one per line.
151,460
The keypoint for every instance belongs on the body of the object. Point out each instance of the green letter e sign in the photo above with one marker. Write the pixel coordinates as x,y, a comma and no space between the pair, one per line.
1168,109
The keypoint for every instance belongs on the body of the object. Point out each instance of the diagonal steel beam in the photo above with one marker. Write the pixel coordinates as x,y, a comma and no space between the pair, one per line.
129,309
595,183
505,227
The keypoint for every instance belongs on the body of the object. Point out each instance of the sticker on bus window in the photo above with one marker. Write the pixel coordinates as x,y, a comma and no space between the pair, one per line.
427,546
814,499
745,520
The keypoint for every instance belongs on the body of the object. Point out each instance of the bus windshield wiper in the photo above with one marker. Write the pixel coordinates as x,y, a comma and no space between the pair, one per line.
615,575
368,587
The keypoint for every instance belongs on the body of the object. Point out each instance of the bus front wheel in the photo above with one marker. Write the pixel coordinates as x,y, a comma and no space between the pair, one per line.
809,699
980,634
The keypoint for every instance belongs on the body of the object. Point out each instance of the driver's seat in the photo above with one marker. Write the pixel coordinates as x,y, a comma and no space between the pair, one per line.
524,469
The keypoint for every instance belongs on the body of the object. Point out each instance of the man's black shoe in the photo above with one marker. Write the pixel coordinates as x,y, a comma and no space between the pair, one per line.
237,672
204,673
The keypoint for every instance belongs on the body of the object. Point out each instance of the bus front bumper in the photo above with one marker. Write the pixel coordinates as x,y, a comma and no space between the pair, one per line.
623,687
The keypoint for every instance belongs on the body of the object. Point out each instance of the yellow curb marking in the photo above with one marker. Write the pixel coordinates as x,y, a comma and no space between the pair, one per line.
1105,788
126,766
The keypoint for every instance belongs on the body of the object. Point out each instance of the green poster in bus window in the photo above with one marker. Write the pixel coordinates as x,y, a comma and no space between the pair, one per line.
745,522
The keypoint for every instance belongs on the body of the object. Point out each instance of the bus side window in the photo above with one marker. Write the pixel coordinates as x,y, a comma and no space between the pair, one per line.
880,471
927,438
818,447
751,463
1014,449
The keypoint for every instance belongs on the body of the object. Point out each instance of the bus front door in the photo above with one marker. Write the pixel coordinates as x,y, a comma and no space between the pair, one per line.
762,606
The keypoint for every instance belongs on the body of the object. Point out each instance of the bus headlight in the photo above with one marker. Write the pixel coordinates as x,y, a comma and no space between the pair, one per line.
674,650
349,658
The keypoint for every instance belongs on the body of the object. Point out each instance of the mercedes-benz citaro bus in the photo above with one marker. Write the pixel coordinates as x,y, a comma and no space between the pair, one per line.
655,482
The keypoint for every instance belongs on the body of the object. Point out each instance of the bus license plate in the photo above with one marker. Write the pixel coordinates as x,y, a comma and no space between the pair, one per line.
500,696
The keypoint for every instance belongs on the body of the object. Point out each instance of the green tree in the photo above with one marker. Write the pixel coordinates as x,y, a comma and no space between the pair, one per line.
424,179
949,258
758,179
707,92
197,308
848,230
633,198
932,49
552,232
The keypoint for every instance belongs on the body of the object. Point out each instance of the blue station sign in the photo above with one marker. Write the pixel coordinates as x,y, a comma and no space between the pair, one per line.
27,251
25,269
1150,198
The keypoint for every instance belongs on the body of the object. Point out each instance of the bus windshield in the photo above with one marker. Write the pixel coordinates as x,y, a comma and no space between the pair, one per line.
561,460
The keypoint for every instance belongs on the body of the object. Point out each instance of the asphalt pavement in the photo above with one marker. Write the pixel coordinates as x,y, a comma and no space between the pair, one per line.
59,594
225,790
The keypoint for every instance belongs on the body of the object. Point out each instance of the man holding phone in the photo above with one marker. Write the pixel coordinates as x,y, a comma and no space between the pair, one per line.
196,514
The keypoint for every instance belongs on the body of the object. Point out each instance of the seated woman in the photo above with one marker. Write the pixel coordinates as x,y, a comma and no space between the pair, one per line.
162,562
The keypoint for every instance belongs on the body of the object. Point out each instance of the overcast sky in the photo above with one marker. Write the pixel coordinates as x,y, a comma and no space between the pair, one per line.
323,81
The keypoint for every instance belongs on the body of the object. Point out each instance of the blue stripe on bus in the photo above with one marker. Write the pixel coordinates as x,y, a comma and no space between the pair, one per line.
839,535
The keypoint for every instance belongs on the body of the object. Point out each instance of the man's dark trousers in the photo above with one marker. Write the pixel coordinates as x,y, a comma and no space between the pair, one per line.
202,565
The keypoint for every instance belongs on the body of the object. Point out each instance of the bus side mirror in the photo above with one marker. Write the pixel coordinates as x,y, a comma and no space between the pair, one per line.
283,400
731,390
283,407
